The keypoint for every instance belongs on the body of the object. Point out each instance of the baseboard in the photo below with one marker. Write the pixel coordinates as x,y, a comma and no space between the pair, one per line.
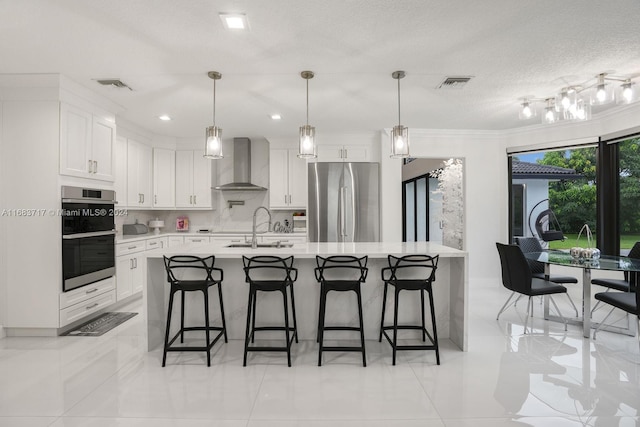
31,332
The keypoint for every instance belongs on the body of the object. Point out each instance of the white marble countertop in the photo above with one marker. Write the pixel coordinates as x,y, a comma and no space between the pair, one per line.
311,249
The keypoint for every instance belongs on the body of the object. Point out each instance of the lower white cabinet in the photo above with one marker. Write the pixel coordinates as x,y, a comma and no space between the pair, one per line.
130,268
199,240
176,241
288,239
79,303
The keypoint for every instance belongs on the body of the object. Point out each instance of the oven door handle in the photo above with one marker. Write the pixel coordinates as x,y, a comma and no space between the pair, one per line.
93,234
90,201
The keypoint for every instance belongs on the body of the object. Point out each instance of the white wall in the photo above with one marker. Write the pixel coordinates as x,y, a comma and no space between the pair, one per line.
485,177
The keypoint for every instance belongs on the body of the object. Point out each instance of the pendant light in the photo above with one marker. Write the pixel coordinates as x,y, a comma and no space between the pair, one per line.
399,134
307,146
213,143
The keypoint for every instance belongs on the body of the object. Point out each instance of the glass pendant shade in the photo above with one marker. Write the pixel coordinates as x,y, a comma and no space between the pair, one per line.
213,144
399,142
627,93
527,111
602,93
399,133
566,99
581,110
307,147
550,112
307,143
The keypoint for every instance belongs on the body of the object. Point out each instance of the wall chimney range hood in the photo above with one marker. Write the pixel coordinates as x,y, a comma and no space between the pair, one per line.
241,168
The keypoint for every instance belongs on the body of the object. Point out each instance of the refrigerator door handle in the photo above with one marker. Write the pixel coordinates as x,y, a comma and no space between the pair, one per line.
343,204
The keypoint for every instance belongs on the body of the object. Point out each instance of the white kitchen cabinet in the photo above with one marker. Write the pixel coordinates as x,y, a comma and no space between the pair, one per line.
196,240
164,178
192,180
87,144
130,268
79,303
175,241
120,168
139,175
230,239
344,153
287,180
156,243
284,239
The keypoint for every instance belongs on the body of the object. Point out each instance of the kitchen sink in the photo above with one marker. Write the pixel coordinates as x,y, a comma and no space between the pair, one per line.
277,244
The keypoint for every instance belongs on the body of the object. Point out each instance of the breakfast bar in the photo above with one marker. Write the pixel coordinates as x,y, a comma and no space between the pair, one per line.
450,288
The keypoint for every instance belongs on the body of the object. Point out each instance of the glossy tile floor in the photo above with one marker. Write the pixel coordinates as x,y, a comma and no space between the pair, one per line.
548,377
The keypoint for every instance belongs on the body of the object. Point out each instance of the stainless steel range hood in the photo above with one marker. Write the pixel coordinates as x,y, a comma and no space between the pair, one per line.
241,168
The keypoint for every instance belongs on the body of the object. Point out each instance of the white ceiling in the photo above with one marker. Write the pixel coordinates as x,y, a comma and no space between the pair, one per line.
164,48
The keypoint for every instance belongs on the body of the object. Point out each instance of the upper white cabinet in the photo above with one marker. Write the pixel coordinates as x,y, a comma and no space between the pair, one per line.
87,144
139,175
287,180
164,178
120,170
344,153
193,180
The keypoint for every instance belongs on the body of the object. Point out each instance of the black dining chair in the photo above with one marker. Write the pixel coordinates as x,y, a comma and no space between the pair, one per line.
187,273
628,302
410,273
517,277
532,244
627,284
267,273
340,273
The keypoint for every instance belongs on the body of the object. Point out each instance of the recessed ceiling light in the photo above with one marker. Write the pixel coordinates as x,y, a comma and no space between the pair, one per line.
234,21
164,118
276,117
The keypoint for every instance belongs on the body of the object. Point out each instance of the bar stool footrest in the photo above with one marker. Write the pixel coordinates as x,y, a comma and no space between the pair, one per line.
199,348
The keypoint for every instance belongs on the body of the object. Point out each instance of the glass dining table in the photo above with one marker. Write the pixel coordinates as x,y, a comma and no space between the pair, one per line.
605,262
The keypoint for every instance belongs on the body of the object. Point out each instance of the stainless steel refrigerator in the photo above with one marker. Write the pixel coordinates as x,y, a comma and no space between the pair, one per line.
344,202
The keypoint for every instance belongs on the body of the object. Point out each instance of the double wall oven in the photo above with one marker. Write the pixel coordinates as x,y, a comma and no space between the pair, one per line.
88,236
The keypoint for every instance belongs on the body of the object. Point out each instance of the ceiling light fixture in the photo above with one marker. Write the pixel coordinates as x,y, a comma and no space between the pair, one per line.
550,111
164,118
573,106
307,145
213,142
276,117
234,21
527,111
399,133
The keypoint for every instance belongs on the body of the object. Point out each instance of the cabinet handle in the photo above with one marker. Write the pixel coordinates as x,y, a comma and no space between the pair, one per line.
95,166
131,247
142,197
155,199
346,154
131,264
342,153
191,199
95,304
90,291
90,167
194,199
135,263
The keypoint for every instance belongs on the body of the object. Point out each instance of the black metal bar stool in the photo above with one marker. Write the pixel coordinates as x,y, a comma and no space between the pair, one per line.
340,273
268,273
410,273
202,270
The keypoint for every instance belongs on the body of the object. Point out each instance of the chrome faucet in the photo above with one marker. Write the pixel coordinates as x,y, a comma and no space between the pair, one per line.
254,239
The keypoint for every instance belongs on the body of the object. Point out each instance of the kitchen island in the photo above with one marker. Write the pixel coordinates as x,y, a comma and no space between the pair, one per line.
450,290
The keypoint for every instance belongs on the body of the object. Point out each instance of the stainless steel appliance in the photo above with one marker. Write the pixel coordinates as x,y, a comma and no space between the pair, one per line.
344,202
88,236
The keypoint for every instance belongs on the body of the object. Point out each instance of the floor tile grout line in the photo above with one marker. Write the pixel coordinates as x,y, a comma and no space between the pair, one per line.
257,396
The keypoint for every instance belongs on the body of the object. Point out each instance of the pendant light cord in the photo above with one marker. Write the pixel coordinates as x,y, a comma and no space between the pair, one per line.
214,102
399,122
307,102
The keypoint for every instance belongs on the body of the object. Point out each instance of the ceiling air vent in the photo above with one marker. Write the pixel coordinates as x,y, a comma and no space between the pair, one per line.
114,83
454,82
